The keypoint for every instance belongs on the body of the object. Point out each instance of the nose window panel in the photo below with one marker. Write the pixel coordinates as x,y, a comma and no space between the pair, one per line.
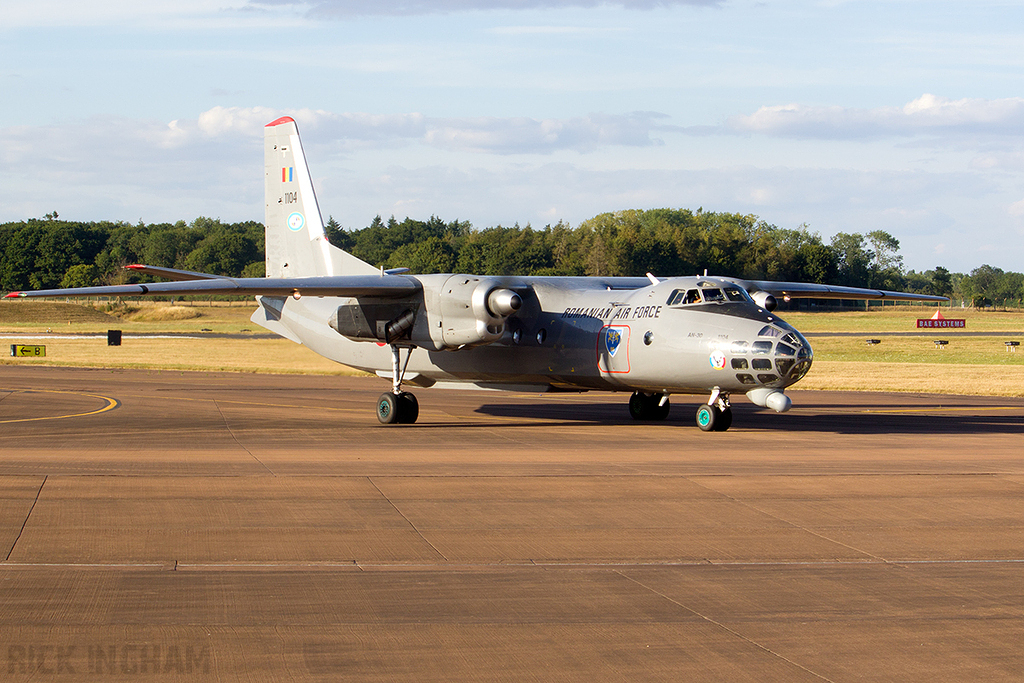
761,364
739,347
783,365
769,331
739,363
800,370
785,350
761,347
745,378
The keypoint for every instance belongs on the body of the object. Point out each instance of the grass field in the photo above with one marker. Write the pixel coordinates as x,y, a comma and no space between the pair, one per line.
968,365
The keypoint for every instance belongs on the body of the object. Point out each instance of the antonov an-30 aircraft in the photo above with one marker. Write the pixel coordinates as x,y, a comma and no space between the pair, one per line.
649,336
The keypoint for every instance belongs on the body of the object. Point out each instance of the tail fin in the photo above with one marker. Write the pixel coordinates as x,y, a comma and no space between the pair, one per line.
296,245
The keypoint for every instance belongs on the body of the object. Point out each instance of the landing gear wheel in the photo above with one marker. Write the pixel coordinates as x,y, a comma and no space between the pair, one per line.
647,406
409,408
659,412
400,408
388,409
708,417
724,420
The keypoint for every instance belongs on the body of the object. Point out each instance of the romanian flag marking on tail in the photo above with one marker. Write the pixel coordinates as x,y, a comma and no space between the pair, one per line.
288,174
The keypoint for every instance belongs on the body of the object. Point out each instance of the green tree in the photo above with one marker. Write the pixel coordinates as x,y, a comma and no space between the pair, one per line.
81,275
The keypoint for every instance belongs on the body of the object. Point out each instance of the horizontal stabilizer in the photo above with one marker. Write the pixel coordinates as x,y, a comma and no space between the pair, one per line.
170,273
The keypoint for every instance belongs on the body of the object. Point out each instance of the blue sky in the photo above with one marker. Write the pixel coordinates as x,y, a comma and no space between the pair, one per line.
905,116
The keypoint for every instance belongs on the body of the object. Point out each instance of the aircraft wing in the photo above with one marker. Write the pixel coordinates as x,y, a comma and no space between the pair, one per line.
201,283
806,290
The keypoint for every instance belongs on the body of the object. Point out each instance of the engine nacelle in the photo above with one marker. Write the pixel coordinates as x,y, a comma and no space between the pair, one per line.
473,311
765,300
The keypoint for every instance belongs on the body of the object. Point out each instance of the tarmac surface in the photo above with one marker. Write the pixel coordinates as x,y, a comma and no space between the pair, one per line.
187,526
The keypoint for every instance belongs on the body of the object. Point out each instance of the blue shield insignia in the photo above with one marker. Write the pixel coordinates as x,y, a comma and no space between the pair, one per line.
612,339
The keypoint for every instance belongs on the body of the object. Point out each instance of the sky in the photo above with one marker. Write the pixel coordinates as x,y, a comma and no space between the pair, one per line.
839,115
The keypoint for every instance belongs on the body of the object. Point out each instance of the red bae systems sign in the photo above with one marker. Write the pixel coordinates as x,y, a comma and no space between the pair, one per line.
938,320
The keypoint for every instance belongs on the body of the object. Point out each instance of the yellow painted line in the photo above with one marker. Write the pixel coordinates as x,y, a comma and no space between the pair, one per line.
111,403
940,409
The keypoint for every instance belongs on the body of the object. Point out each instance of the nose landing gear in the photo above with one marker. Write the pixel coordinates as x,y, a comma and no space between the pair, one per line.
397,406
716,414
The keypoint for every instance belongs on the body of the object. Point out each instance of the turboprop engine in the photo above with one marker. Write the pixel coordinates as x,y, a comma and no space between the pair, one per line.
473,311
464,311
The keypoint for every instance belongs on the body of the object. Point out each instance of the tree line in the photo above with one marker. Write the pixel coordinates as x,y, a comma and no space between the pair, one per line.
48,252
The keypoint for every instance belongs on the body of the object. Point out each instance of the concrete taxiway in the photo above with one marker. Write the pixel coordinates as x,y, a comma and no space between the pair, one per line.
189,526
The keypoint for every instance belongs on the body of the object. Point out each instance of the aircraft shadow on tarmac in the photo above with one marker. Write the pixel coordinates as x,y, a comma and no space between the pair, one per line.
841,419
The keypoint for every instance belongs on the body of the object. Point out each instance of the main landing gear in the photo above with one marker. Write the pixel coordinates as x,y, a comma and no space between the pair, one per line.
648,406
397,406
716,414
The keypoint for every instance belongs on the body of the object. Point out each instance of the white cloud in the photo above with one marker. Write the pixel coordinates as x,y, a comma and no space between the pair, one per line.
108,12
927,115
491,135
333,9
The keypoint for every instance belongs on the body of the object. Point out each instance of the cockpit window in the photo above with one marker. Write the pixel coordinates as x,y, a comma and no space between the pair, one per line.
683,296
707,293
736,294
769,331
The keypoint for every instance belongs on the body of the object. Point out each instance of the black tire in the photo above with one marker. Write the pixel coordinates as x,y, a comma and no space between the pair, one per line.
707,417
659,412
638,406
408,408
724,420
646,406
388,409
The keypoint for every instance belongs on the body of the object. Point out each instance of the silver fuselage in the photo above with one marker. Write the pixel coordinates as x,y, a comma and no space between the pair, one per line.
578,334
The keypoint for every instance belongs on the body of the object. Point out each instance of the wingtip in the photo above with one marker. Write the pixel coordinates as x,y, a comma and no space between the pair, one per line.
135,266
278,122
15,295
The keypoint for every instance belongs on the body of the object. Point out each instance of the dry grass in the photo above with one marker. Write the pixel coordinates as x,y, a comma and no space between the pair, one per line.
137,316
926,378
231,355
162,314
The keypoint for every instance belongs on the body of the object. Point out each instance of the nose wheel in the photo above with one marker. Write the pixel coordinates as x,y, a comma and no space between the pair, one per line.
397,406
716,414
